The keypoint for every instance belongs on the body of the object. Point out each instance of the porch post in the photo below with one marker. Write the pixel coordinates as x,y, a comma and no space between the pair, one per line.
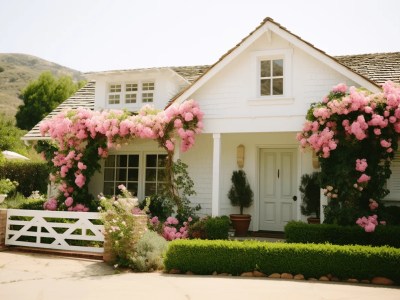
215,209
323,203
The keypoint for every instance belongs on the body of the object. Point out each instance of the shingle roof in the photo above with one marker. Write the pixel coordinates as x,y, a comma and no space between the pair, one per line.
82,98
191,73
378,67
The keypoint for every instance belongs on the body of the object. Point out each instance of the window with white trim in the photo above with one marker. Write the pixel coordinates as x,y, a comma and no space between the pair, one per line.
131,92
148,92
114,94
271,77
141,179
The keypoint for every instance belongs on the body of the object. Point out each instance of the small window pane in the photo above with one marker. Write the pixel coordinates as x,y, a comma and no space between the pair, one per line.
147,97
151,175
161,174
133,188
265,87
277,67
115,88
278,86
108,189
131,87
109,174
110,161
130,98
121,174
113,99
161,160
151,161
133,161
122,160
148,86
265,68
133,174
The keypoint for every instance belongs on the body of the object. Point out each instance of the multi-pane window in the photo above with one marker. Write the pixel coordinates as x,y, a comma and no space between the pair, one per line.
121,169
271,77
114,94
127,169
131,92
147,92
155,174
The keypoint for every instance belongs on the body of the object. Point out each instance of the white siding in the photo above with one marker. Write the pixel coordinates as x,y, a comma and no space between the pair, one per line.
229,98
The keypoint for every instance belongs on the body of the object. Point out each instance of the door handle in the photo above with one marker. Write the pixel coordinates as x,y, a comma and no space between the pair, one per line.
294,198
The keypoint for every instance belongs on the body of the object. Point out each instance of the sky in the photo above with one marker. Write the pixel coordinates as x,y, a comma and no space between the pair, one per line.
100,35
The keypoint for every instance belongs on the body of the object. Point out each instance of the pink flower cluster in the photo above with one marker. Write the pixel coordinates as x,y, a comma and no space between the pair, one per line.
50,204
369,223
320,133
71,129
171,230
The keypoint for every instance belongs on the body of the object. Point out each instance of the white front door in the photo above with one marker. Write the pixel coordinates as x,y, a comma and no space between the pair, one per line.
278,186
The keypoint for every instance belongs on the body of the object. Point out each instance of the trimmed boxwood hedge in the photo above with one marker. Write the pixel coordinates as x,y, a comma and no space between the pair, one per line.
311,260
31,176
299,232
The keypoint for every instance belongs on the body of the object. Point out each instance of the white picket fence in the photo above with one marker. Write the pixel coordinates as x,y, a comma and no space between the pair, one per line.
46,229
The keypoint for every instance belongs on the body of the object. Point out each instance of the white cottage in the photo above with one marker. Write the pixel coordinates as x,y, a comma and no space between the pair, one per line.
256,97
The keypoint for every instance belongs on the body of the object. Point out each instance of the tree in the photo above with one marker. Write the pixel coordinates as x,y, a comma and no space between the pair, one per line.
10,136
42,96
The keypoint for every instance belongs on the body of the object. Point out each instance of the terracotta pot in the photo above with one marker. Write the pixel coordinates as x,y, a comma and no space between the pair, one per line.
313,220
240,223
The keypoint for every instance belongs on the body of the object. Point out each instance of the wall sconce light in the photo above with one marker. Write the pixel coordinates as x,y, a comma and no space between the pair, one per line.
240,156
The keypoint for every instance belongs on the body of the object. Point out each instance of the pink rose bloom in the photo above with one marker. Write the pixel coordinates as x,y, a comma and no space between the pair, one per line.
340,88
370,227
170,146
81,166
68,202
363,178
361,164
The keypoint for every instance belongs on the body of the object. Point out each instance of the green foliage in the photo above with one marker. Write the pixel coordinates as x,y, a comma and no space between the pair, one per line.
210,228
240,193
149,253
90,159
310,194
43,95
31,176
160,206
311,260
299,232
7,186
10,136
32,204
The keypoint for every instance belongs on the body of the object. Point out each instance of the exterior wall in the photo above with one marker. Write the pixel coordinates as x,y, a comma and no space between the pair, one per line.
199,160
229,99
166,86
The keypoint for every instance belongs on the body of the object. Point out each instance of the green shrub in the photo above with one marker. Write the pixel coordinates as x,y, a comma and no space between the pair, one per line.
211,228
31,176
32,204
149,252
299,232
217,228
311,260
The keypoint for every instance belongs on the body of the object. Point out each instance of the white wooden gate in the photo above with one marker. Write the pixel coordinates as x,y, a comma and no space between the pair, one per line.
71,231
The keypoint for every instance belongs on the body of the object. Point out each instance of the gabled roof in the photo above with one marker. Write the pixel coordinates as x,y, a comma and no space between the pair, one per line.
378,67
268,24
82,98
188,73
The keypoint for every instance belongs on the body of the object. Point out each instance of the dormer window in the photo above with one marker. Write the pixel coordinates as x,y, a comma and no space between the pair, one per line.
114,95
131,92
271,77
147,95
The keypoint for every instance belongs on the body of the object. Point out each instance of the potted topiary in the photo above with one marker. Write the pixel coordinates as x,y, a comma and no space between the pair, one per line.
6,186
240,195
310,194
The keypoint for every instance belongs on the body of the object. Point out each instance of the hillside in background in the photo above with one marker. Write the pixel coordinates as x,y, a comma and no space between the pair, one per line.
17,70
